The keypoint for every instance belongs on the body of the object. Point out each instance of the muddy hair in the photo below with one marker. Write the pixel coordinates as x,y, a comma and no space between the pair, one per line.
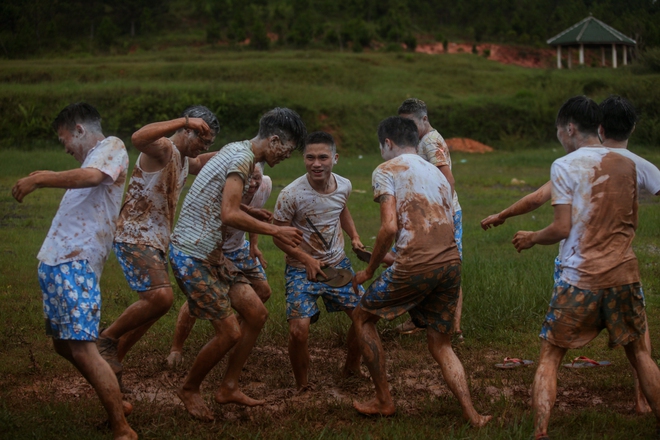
199,111
284,123
619,117
78,113
321,137
403,132
581,111
413,106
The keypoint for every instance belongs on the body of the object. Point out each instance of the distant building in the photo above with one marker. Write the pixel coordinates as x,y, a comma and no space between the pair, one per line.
591,32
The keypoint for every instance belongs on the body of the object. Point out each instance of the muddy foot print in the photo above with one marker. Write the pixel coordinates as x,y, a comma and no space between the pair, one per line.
480,421
174,360
195,405
236,396
374,407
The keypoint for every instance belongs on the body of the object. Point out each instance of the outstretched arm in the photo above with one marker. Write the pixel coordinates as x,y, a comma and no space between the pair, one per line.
348,226
555,232
195,164
527,204
312,265
233,216
78,178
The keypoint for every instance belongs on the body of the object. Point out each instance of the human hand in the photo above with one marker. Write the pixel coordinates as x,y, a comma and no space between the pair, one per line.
356,243
491,221
523,240
263,215
359,278
256,253
289,235
313,268
26,185
199,126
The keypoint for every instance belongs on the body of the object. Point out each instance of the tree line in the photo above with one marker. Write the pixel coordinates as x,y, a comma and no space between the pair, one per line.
37,27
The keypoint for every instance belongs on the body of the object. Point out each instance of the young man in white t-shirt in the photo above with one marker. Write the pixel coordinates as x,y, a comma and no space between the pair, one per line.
77,246
594,194
424,280
316,204
433,148
212,283
146,219
245,255
618,123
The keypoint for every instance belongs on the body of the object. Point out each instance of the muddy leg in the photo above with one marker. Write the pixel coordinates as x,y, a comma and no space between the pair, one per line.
454,374
262,289
353,355
648,372
182,329
227,334
298,351
544,388
374,356
86,358
456,324
254,315
641,405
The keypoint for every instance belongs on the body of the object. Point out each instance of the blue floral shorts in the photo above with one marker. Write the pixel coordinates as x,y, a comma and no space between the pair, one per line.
251,267
144,267
458,232
301,294
72,300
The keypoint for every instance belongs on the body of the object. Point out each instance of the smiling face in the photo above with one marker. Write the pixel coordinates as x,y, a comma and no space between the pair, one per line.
255,180
319,160
73,142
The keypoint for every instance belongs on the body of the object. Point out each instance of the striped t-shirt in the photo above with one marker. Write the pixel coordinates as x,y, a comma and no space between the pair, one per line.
199,230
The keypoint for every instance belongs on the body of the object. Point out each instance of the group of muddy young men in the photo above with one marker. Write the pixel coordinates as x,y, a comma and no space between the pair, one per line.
593,190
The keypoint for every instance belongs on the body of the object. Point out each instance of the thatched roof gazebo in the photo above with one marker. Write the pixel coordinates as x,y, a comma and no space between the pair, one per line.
591,32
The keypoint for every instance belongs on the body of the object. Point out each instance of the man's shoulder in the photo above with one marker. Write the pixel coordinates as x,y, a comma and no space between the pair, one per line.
300,181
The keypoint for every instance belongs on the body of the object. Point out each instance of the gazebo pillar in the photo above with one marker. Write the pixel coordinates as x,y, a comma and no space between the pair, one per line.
613,55
625,55
581,54
570,57
559,57
602,56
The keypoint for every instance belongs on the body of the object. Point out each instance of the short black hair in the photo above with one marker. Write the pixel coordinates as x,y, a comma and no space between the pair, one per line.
581,111
403,132
619,117
284,123
413,106
77,113
321,137
199,111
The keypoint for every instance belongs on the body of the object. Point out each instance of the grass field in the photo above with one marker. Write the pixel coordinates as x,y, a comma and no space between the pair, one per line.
506,294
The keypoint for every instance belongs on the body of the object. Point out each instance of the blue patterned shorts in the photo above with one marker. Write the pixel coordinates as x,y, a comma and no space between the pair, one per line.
430,297
206,286
144,267
458,232
576,316
301,294
72,300
251,267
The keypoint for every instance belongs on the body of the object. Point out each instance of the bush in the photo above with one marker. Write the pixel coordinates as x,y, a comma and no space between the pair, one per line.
650,59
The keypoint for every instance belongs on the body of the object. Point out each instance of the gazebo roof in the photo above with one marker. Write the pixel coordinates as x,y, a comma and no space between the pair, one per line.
590,31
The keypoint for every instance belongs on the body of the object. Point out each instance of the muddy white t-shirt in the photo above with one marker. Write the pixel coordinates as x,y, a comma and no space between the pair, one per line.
85,223
601,187
648,175
433,148
235,238
147,215
425,239
300,204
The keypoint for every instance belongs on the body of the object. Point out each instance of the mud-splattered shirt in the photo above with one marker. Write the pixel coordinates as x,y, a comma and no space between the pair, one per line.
425,236
300,205
433,148
199,231
601,187
147,215
85,223
235,238
648,175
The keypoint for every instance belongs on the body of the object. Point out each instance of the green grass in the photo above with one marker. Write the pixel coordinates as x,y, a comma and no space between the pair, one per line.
506,295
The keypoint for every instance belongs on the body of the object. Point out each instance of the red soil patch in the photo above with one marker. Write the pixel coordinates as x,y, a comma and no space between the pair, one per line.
520,56
466,145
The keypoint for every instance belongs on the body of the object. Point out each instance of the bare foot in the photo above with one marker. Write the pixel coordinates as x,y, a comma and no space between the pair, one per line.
479,421
174,360
195,405
374,408
223,396
127,407
125,435
350,373
642,407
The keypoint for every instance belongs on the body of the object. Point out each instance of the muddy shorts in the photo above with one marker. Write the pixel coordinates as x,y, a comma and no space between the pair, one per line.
430,297
206,286
251,267
556,275
576,316
72,300
144,267
301,294
458,232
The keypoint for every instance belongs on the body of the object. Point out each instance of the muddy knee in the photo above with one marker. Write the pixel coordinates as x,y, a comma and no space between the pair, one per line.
298,331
